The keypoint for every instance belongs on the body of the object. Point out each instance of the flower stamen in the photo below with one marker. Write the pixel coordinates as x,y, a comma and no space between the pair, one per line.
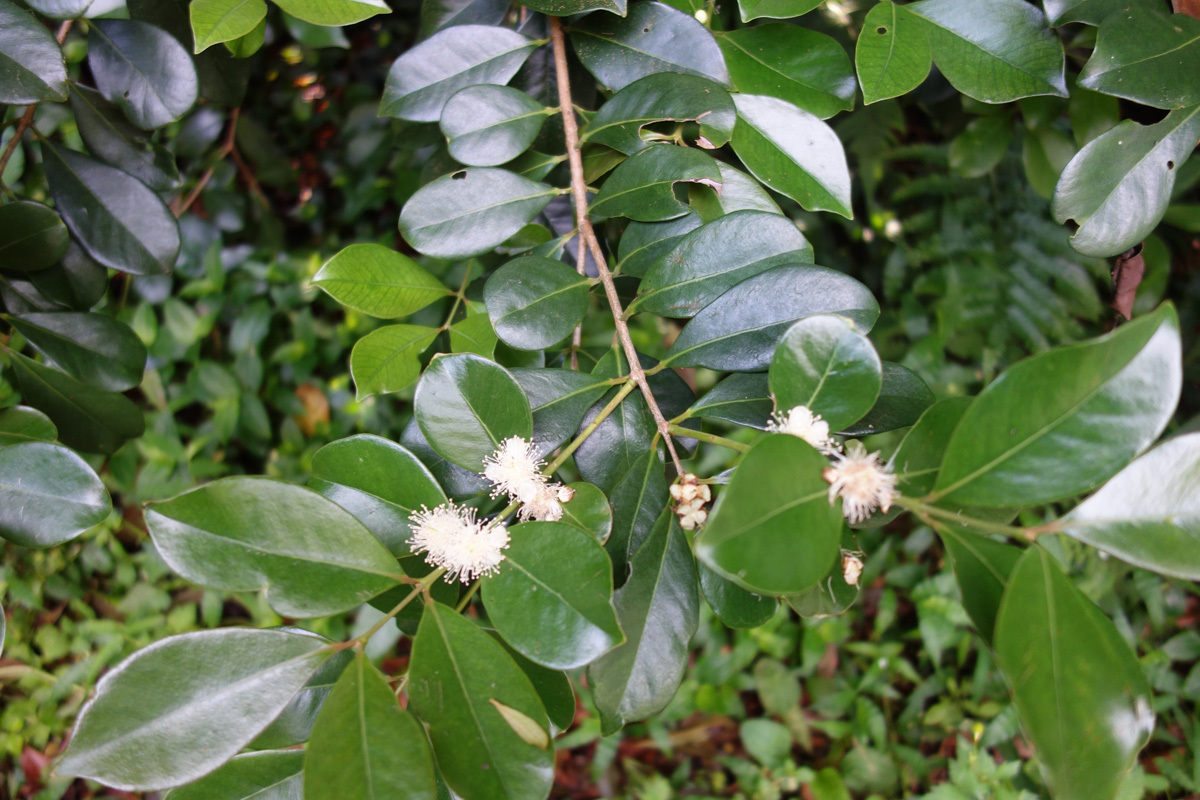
861,481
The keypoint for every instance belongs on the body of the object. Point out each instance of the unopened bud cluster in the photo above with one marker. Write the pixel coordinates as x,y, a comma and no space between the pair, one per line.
690,497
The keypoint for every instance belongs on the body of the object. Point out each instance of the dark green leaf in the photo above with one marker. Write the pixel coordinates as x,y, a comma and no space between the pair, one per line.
143,70
456,672
643,243
486,125
216,21
76,282
141,730
386,359
1044,429
739,192
466,406
32,236
553,687
588,511
535,302
736,607
994,51
824,364
294,726
1093,12
741,328
978,149
652,38
617,443
923,448
902,400
333,13
639,496
458,482
470,212
712,259
831,597
773,529
365,745
48,495
982,567
792,152
377,481
269,775
110,137
660,97
94,348
120,222
244,534
567,8
378,281
643,186
893,55
786,61
559,398
439,14
421,81
31,62
552,598
742,398
1080,692
775,9
658,608
1144,56
19,424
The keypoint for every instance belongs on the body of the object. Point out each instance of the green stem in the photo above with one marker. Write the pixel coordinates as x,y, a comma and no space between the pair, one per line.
926,510
466,598
591,428
421,585
709,438
458,298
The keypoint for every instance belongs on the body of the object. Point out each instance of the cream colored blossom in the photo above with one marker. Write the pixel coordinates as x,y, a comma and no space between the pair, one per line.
690,498
515,470
852,567
804,424
861,481
545,505
451,538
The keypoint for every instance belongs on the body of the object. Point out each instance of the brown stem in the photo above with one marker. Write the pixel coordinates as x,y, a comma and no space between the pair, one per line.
184,202
27,117
587,235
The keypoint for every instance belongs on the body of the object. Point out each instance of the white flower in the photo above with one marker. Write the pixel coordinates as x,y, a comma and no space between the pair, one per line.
545,506
862,482
451,538
803,423
515,470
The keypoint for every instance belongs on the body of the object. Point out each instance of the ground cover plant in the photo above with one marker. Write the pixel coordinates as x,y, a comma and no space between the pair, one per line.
592,399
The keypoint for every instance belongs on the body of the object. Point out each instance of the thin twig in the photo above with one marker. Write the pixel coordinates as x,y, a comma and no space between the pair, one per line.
181,205
588,240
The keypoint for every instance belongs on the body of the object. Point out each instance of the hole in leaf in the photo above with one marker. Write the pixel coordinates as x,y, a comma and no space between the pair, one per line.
645,30
1170,165
458,176
881,30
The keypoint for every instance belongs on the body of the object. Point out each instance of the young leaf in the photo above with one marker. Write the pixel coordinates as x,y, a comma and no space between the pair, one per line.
269,775
893,55
333,13
535,302
365,745
486,125
792,152
658,608
32,236
466,406
20,424
109,136
474,334
660,97
1043,430
48,494
1142,55
95,348
378,281
455,673
643,187
421,81
150,725
31,62
387,359
786,61
773,529
1149,513
144,70
552,598
216,21
1080,692
243,534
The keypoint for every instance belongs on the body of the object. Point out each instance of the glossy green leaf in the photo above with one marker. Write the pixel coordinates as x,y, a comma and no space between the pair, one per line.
1117,187
643,243
553,687
1079,690
740,329
32,236
739,192
714,258
658,608
439,14
386,359
365,745
982,567
109,136
775,9
216,21
994,51
474,334
95,348
892,55
742,398
660,97
143,70
378,281
455,672
141,730
567,8
773,529
60,9
459,483
88,419
1044,429
421,80
19,424
803,67
792,152
269,775
486,125
377,481
643,186
295,724
76,282
1143,56
470,212
919,456
243,534
903,398
48,495
552,598
31,62
466,406
1149,513
652,38
535,302
639,496
979,148
333,13
117,219
559,398
588,510
617,443
824,364
733,605
1093,12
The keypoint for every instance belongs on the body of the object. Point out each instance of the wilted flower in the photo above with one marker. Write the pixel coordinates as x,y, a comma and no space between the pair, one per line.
803,423
690,498
852,567
451,538
861,481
